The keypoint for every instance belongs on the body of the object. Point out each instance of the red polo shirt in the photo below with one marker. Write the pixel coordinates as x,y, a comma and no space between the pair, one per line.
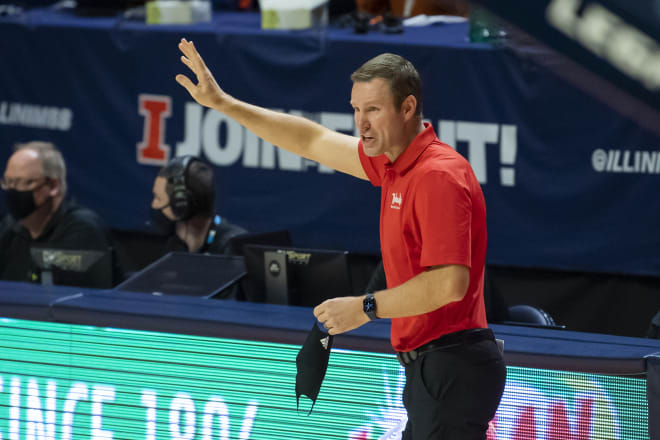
432,213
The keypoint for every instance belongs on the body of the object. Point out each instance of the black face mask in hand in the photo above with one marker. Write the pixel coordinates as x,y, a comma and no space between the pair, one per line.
160,222
312,363
20,203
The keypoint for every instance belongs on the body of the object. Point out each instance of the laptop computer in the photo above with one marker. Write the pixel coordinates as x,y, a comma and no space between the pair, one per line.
183,273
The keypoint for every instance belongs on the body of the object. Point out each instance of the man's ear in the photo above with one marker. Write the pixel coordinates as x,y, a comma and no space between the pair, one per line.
409,107
55,186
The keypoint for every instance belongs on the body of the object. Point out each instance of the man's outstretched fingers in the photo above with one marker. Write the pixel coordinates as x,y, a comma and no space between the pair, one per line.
195,57
188,63
188,50
186,83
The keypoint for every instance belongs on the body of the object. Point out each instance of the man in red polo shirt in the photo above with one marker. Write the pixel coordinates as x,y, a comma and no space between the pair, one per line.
433,240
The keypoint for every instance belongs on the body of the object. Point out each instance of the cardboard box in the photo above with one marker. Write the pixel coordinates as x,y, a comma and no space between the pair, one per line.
293,14
178,11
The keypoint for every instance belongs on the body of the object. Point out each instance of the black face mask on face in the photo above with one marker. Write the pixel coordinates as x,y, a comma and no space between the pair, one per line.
20,203
160,222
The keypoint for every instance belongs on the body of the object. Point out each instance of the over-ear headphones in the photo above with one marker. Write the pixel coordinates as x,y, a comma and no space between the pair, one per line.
181,198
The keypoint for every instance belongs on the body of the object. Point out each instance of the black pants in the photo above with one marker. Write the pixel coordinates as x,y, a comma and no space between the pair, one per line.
452,393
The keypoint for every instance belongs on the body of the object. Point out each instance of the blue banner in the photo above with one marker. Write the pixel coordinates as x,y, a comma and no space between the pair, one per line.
569,183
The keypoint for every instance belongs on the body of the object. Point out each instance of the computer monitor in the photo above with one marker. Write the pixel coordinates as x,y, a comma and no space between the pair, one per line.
73,267
295,276
184,273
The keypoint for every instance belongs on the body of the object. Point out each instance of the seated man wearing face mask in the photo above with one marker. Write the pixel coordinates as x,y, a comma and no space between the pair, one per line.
40,214
183,208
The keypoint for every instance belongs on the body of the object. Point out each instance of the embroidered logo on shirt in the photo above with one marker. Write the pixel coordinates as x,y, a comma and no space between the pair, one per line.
396,201
324,342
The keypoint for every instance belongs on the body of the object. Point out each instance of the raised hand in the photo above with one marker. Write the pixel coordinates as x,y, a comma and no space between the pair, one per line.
206,92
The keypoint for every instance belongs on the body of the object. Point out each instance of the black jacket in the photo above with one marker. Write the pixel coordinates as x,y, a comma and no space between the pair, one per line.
217,239
71,227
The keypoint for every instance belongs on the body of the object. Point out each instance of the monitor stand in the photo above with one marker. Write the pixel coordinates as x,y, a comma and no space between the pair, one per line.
275,274
47,277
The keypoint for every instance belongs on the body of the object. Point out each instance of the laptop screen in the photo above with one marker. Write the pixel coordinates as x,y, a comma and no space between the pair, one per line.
183,273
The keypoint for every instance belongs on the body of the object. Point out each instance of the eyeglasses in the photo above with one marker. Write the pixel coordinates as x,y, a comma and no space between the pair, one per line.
21,184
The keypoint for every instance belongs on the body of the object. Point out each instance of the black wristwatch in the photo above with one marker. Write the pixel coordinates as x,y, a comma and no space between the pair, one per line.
369,306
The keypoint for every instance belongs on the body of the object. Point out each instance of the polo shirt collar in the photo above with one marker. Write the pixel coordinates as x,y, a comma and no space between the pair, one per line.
409,156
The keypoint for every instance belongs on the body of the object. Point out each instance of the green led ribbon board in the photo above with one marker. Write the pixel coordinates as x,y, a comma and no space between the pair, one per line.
66,382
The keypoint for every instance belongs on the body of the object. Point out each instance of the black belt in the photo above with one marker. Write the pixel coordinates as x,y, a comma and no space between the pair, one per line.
462,337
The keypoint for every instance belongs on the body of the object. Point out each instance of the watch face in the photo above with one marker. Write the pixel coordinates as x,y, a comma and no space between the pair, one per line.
369,304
